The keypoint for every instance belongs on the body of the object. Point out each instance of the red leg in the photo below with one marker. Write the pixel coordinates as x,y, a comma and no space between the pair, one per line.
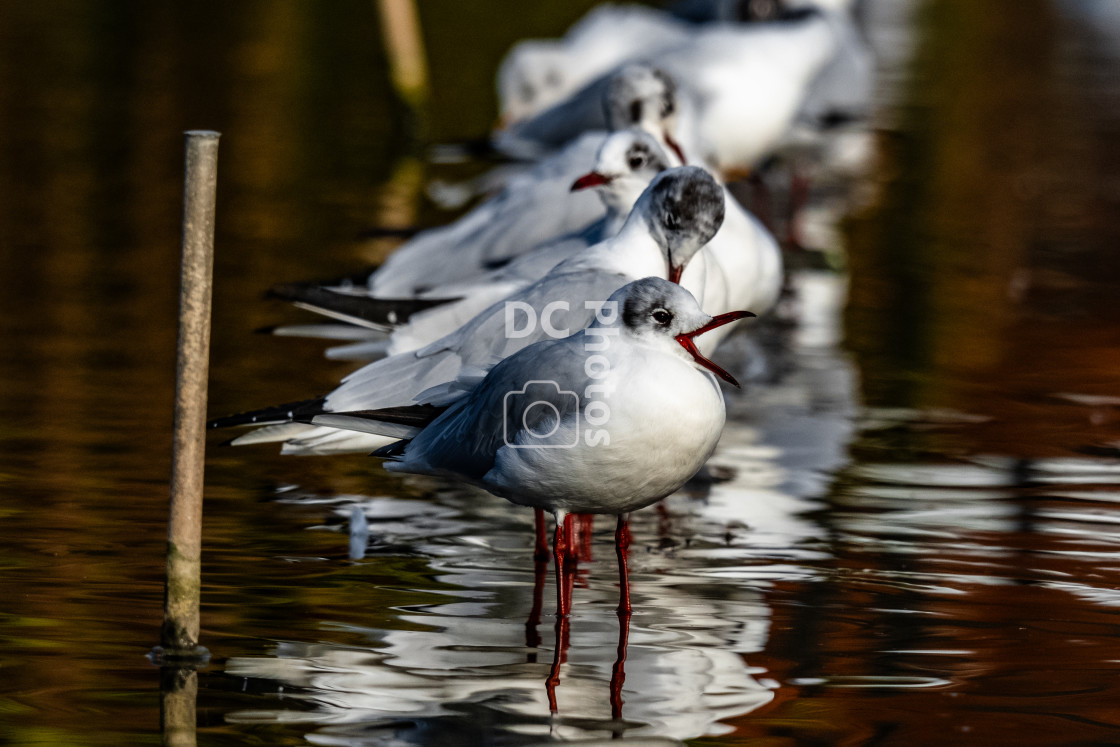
559,656
560,548
532,638
618,672
762,201
622,544
541,550
586,530
798,199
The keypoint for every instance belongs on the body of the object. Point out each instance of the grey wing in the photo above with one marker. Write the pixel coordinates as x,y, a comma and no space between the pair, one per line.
530,389
533,208
490,337
393,382
558,305
478,294
559,124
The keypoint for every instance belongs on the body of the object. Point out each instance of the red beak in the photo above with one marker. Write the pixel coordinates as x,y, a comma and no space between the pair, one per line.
594,179
717,321
675,274
676,148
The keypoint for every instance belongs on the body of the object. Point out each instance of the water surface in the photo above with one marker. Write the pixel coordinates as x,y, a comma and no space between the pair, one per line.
914,537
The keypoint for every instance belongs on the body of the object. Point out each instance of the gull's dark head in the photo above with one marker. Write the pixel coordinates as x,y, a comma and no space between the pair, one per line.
655,309
686,209
640,95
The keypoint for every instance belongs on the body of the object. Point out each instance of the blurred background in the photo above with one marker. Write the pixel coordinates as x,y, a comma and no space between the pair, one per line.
919,541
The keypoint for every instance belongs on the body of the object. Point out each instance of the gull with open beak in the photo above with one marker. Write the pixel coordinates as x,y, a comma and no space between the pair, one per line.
606,421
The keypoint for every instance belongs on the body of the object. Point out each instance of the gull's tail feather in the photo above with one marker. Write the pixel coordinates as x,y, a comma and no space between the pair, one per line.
269,434
327,331
394,451
320,441
394,422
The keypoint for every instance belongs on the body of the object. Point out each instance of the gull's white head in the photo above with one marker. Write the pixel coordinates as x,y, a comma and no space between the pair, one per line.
626,163
641,95
531,77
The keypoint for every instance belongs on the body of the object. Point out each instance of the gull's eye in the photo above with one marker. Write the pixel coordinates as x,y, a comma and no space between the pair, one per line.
635,111
637,162
662,317
671,221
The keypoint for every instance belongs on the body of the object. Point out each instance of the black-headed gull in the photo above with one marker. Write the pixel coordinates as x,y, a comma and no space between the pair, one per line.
739,88
533,209
606,421
637,94
676,215
632,157
537,73
741,267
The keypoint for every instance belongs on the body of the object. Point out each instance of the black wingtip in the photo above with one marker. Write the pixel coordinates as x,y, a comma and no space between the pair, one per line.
393,450
285,413
796,15
417,416
356,308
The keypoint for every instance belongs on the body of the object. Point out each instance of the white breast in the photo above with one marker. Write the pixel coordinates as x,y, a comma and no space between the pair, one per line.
650,432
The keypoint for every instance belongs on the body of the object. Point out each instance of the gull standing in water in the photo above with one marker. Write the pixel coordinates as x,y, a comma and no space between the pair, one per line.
606,421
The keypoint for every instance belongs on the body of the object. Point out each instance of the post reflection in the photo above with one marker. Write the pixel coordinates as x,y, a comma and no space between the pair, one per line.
178,706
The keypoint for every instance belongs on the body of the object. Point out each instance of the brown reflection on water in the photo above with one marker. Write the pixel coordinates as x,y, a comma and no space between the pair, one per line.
984,274
984,282
95,97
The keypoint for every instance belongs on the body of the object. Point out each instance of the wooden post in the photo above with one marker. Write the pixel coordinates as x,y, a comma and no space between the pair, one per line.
179,635
178,706
404,46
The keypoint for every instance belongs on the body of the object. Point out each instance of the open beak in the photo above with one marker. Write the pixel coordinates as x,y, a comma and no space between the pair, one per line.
717,321
594,179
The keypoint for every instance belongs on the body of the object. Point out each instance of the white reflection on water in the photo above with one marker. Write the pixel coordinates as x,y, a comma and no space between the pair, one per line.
986,521
684,666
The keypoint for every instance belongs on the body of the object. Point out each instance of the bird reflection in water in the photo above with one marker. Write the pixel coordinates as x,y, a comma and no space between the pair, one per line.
573,543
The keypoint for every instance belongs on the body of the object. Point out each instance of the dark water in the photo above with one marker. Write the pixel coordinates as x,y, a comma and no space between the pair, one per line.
918,541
